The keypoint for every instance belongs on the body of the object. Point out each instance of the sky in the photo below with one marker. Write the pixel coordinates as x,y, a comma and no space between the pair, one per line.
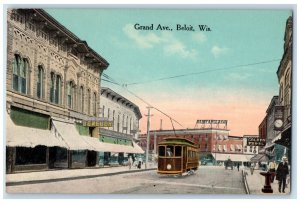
230,71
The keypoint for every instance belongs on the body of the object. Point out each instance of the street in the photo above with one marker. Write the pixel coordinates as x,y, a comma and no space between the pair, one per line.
207,180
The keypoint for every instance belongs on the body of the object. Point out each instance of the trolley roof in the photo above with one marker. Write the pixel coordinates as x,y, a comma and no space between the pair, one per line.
177,141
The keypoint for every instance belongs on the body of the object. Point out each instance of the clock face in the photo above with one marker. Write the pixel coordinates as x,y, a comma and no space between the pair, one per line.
278,123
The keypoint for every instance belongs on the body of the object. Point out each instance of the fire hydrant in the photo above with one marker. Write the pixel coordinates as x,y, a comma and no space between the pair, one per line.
267,187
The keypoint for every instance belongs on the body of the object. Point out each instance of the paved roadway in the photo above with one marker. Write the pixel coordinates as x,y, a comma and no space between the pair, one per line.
207,180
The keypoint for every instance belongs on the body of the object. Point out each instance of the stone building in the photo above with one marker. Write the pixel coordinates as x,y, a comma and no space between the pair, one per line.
125,117
284,74
52,91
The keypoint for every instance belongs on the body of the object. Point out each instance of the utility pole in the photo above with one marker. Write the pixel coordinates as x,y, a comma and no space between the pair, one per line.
148,136
154,142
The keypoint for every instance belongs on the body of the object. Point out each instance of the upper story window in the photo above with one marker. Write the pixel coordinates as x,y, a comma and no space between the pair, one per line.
95,104
70,94
81,97
55,88
40,82
20,69
89,101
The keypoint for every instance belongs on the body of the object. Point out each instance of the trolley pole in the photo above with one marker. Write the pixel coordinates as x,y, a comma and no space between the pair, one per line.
148,136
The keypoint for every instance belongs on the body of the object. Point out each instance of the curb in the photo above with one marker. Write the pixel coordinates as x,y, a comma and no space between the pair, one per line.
28,182
245,182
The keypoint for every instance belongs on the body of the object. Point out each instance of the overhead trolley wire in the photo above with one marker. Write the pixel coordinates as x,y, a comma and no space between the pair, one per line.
201,72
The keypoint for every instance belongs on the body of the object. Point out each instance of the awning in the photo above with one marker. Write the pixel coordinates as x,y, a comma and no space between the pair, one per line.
68,133
233,157
21,136
260,158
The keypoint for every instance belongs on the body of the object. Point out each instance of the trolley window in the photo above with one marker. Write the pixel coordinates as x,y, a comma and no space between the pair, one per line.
162,151
170,151
177,150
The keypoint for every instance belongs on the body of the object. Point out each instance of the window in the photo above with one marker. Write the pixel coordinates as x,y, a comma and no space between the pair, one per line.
70,95
95,105
52,78
170,151
20,68
177,150
88,101
55,88
118,124
81,96
40,82
103,109
161,151
113,119
108,112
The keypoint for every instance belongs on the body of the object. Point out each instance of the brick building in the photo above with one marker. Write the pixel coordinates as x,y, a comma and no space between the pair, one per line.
214,144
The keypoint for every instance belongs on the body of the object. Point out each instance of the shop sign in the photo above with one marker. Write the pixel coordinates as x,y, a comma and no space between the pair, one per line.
255,141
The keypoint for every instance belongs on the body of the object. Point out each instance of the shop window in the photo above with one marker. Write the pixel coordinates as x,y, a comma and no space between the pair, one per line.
20,69
26,156
79,156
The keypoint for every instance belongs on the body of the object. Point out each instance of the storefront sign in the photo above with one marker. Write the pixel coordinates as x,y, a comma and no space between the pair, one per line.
97,123
211,121
255,141
278,113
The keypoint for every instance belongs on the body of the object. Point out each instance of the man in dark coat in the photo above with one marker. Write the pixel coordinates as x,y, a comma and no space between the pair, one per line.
281,172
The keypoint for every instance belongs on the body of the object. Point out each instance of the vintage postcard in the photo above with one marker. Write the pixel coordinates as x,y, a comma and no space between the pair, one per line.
149,101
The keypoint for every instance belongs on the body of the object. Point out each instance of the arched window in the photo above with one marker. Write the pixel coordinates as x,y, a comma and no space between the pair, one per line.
95,104
20,68
113,119
70,93
89,101
52,81
40,82
81,96
57,89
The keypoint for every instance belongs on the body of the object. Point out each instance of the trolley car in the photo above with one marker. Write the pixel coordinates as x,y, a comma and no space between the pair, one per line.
177,156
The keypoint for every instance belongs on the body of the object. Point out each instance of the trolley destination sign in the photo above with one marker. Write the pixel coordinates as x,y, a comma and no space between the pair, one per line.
255,141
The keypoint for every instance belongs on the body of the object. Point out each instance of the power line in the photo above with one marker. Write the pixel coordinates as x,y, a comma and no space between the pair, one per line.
201,72
142,100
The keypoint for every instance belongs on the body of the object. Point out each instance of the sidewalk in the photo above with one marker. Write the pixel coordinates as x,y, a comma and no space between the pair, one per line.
69,174
256,183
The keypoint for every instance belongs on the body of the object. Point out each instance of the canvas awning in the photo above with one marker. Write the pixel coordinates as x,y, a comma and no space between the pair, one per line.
233,157
21,136
115,148
68,133
260,158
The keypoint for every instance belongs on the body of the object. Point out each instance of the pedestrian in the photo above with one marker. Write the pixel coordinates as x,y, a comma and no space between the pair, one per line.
238,166
281,173
272,169
140,161
252,168
130,162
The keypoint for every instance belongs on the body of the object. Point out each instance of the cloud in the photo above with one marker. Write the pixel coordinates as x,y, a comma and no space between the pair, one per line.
143,41
171,45
217,51
199,37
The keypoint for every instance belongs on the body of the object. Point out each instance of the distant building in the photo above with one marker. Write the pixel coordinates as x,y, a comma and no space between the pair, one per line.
214,144
284,74
262,129
249,149
125,117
